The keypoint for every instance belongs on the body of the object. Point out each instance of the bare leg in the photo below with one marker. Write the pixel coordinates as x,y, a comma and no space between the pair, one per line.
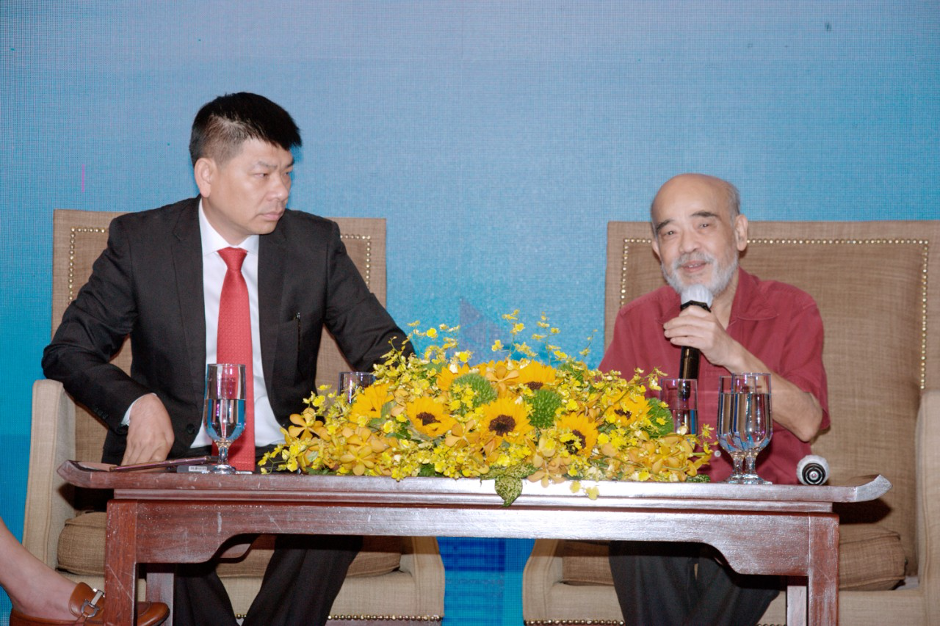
34,588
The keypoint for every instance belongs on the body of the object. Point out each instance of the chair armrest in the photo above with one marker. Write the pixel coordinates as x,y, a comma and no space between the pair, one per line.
927,499
52,441
422,559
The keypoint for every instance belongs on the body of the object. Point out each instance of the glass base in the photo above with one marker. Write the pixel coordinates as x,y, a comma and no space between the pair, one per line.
222,469
733,478
747,479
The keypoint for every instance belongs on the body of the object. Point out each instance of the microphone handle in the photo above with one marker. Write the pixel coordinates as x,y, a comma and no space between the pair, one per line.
689,357
689,363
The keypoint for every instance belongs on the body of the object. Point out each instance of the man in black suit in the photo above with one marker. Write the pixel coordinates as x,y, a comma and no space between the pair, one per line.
159,281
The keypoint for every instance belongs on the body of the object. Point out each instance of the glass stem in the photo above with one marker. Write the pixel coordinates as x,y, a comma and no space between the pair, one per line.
737,464
750,464
223,453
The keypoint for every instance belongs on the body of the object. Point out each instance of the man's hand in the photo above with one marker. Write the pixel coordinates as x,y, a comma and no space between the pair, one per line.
697,328
150,433
794,409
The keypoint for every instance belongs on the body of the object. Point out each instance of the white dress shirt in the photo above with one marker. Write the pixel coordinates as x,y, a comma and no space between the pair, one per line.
267,428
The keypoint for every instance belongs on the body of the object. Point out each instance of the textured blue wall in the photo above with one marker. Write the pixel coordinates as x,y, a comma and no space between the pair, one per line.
497,138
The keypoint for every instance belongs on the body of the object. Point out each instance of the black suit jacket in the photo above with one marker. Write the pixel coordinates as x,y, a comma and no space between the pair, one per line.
148,283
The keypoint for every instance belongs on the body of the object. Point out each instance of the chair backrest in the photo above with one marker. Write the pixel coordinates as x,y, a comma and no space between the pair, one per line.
80,236
876,285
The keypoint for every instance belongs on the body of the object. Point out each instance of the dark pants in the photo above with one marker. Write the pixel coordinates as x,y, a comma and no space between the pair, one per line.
301,582
658,583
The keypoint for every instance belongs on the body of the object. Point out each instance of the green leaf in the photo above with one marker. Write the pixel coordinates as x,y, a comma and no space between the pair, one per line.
508,488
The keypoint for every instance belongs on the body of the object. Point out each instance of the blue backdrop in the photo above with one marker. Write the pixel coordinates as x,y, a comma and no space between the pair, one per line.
497,138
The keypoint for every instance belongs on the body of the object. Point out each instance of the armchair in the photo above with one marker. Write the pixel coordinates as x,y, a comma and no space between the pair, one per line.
392,580
876,285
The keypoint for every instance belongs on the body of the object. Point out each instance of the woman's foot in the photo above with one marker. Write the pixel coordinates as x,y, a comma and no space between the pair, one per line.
86,607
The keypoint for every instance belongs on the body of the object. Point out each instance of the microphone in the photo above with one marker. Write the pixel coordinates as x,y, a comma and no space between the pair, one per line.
700,296
813,470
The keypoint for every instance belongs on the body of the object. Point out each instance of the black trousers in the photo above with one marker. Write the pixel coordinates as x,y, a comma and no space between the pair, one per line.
300,584
663,583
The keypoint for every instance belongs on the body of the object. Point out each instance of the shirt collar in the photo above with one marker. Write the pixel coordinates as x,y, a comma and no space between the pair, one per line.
749,302
212,241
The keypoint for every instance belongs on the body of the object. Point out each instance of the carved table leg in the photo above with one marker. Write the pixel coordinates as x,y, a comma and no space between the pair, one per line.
121,563
797,601
160,579
822,578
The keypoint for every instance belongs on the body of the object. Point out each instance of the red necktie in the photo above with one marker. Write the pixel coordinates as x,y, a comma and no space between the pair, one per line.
234,346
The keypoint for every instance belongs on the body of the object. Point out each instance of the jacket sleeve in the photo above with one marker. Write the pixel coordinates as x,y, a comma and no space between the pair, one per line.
93,328
363,329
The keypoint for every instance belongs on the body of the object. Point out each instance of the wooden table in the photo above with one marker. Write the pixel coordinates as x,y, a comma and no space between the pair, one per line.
168,518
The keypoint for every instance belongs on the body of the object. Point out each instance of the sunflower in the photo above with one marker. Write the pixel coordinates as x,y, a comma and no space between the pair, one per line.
428,416
579,433
535,376
505,419
369,401
628,410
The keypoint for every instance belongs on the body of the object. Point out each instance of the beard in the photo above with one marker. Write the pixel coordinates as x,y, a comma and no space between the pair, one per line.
721,276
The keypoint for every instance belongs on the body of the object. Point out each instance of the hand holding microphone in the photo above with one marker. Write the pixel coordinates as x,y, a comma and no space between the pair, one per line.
700,296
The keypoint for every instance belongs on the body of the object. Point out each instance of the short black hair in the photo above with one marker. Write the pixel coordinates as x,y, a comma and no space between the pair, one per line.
222,125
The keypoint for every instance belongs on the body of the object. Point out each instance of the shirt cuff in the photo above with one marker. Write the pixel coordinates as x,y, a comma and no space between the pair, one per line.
126,421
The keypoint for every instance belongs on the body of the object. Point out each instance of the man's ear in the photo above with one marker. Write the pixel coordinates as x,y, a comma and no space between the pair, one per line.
741,232
204,172
655,245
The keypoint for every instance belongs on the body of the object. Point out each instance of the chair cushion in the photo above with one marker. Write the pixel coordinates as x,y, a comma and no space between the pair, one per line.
82,551
871,558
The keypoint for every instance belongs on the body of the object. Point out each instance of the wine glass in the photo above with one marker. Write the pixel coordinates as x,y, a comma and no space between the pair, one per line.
725,429
352,382
680,397
745,425
224,410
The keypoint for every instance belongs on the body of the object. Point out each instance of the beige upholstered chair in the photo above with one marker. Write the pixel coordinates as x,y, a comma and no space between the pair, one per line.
876,284
393,580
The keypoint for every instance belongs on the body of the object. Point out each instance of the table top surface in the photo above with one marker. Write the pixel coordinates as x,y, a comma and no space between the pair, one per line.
385,491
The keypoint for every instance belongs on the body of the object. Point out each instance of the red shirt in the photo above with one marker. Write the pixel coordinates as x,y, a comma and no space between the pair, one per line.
776,322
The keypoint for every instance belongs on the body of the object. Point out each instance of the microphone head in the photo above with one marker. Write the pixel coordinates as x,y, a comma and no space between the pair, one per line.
696,293
813,470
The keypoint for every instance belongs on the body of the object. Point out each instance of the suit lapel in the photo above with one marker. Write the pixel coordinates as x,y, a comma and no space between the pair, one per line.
270,286
188,266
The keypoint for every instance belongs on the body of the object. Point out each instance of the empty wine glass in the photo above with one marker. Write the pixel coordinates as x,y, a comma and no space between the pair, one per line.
352,382
744,422
224,409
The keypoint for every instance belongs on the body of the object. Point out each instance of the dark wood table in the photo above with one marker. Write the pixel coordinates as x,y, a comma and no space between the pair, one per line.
168,518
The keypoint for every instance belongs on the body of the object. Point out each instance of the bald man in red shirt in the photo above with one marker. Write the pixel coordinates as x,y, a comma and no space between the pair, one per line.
753,326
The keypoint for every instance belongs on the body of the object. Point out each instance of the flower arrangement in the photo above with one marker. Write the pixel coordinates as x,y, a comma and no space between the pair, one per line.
510,419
